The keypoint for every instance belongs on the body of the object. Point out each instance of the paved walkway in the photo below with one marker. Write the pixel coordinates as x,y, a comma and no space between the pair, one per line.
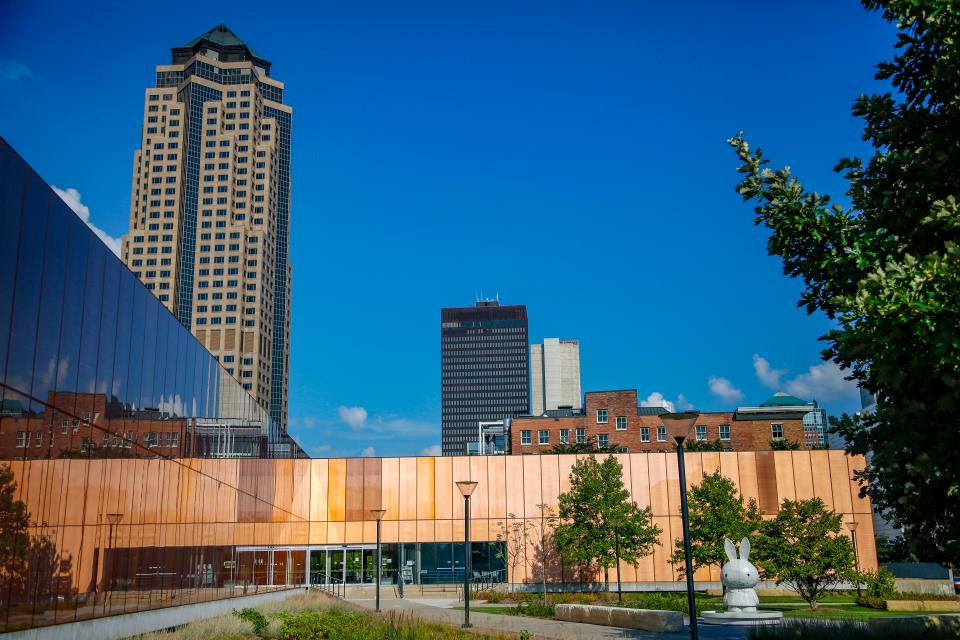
439,610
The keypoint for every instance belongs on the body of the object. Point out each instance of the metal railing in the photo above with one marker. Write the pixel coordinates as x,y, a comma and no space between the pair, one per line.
331,585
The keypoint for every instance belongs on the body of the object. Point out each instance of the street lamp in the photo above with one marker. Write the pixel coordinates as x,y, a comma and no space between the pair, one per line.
466,488
378,516
679,425
113,519
856,557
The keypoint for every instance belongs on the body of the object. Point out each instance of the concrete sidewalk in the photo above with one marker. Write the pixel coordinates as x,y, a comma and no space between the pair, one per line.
438,610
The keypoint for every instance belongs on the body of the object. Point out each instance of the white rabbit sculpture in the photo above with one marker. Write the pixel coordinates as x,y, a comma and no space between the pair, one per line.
739,576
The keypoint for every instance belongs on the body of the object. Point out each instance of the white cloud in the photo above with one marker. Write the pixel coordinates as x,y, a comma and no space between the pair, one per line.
766,374
821,382
72,197
321,449
683,404
309,421
724,389
432,450
356,417
11,71
656,399
369,452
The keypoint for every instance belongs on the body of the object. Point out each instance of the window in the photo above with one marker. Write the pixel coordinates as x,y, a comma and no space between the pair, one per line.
701,432
776,430
526,437
581,436
37,438
151,439
21,439
603,441
661,434
621,423
724,432
601,416
543,437
623,450
644,434
564,436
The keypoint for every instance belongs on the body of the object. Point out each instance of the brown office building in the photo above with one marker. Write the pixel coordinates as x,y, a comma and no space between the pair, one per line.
210,208
485,369
612,419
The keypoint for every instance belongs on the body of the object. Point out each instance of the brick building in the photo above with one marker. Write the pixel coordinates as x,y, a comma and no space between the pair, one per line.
613,419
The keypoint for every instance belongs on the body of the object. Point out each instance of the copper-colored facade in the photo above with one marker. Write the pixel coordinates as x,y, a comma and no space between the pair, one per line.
222,506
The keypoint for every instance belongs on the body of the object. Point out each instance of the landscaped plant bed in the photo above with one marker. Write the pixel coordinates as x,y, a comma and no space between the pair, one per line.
933,605
312,617
927,628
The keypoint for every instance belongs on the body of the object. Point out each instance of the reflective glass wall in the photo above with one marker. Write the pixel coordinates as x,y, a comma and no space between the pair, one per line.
102,395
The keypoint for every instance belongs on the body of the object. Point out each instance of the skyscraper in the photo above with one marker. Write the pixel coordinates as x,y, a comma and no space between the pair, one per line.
210,208
555,376
485,369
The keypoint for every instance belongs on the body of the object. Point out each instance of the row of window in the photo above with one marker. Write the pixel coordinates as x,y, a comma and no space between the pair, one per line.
170,439
543,435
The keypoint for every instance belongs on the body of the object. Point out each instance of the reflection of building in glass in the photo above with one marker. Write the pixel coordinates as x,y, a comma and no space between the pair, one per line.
209,212
94,365
781,406
485,369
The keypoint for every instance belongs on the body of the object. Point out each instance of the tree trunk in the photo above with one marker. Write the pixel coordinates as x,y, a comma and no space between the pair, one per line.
606,579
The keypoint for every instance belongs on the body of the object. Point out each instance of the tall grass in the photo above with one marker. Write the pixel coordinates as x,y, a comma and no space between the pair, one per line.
311,616
916,628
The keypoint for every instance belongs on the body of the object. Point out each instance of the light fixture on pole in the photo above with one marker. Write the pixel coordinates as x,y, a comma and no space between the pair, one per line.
856,556
378,516
679,426
466,488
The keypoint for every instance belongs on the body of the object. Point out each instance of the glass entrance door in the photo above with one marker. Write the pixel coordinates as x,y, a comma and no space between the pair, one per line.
318,567
354,566
334,565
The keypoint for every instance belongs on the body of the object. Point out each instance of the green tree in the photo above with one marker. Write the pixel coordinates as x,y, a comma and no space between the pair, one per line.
581,448
716,511
784,445
886,268
705,445
803,548
14,535
597,513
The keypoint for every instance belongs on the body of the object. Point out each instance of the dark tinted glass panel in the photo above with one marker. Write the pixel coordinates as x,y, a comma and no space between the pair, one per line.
12,174
26,295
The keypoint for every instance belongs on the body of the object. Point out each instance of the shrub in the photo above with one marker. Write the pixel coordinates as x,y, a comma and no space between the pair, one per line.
880,583
524,635
254,617
872,601
535,609
662,600
300,626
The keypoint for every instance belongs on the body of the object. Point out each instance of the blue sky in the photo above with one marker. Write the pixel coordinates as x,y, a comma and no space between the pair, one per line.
566,156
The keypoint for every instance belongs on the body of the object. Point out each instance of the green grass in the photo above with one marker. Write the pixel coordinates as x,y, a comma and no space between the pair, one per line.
799,600
841,612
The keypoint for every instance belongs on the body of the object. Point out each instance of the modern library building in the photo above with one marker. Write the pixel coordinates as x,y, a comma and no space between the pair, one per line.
136,473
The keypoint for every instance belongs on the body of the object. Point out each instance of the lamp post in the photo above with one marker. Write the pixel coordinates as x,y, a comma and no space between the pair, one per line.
856,557
378,516
466,488
113,519
680,424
